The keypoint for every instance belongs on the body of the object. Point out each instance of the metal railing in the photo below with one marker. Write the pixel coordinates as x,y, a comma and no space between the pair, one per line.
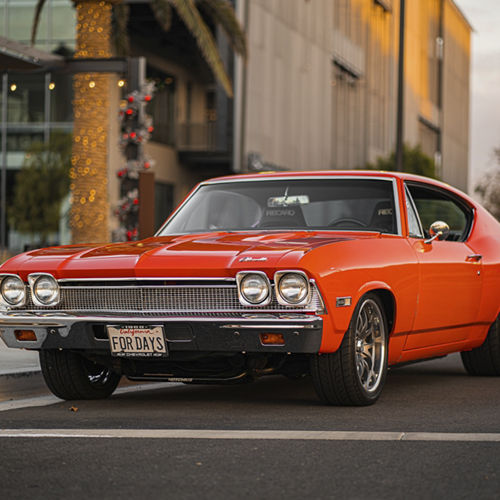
197,136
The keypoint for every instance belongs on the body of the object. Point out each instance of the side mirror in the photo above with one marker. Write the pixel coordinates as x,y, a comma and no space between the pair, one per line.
438,230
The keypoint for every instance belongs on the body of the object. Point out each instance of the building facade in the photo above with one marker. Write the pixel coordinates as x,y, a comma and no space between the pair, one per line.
318,91
321,83
37,101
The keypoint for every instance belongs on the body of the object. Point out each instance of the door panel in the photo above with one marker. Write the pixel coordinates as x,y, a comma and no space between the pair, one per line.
450,293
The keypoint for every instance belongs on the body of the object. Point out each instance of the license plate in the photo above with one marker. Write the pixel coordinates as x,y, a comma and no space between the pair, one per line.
132,341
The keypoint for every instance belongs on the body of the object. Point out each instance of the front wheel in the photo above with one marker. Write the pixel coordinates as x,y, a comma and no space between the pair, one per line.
71,376
485,359
355,374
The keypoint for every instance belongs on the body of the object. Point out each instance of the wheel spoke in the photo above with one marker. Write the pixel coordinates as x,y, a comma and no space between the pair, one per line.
363,368
370,345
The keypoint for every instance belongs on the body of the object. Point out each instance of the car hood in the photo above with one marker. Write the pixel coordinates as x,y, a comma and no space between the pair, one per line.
194,255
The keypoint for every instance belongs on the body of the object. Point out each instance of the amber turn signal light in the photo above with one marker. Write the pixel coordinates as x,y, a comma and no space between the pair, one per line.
25,335
272,338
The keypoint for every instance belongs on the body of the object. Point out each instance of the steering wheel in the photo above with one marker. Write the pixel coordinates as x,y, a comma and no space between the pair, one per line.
347,221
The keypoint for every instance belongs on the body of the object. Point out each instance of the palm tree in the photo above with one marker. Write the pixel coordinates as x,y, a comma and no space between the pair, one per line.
91,105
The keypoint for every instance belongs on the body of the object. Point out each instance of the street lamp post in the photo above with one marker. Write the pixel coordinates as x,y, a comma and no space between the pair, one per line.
3,182
400,102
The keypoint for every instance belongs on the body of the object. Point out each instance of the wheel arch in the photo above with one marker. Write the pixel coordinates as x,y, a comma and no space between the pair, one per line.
387,297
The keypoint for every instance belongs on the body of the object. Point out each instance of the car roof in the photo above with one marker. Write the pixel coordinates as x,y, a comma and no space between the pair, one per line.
320,173
341,173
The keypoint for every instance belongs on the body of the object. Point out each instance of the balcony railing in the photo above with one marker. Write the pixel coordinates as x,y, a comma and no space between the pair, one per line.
197,136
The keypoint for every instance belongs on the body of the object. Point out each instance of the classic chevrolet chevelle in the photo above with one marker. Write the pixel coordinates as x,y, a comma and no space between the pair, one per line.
335,274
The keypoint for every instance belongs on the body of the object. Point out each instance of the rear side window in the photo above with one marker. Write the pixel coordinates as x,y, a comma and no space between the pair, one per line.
435,204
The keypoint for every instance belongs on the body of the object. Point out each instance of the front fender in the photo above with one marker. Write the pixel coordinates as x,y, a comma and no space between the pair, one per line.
337,321
352,269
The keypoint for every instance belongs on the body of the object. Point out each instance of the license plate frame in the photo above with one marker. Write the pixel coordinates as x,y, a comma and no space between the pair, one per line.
137,341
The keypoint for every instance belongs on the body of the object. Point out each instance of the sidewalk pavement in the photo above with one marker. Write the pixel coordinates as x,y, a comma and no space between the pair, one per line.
17,362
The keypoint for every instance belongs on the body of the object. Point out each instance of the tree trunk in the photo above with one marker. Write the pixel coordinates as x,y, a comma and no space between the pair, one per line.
89,216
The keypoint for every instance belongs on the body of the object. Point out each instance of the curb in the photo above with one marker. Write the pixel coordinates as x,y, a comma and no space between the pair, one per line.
14,374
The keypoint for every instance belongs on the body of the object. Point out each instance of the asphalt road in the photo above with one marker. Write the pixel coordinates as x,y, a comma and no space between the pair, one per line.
434,433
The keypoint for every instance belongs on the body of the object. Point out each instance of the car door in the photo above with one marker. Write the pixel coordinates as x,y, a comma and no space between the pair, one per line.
450,272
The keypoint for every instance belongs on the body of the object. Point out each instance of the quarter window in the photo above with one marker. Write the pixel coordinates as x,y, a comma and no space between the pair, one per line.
434,204
414,229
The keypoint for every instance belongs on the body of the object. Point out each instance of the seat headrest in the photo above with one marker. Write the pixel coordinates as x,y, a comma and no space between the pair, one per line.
383,217
290,216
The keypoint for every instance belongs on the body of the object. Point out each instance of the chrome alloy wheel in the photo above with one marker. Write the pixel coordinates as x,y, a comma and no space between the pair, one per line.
370,345
97,374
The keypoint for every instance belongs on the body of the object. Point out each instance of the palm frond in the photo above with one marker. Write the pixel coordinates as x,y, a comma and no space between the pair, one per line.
121,14
162,12
191,17
223,14
36,19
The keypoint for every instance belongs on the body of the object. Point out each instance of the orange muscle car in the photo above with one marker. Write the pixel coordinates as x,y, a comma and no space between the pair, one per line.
334,274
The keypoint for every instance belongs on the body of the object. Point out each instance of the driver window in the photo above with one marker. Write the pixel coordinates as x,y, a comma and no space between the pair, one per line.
433,204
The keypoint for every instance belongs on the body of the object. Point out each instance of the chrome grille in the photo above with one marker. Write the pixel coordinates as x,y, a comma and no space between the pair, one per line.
161,300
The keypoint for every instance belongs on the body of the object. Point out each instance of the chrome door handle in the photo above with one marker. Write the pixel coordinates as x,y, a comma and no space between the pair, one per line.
475,257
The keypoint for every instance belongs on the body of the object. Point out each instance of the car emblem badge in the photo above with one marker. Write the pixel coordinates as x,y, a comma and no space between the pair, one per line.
253,259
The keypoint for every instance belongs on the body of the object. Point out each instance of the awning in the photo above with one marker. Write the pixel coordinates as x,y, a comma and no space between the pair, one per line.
15,56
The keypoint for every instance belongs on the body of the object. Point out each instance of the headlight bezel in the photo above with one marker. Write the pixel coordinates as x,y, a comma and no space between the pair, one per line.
33,280
240,278
278,277
4,301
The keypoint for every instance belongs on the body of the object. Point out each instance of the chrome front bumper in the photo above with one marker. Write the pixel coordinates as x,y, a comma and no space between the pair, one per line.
228,333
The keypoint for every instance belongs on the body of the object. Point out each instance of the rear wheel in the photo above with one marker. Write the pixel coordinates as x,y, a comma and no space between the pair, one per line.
485,359
355,374
71,376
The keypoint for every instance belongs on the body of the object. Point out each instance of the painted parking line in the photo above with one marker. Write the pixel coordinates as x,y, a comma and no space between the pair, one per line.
248,435
51,400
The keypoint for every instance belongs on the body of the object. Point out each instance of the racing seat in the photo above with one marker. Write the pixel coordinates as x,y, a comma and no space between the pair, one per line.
383,217
283,217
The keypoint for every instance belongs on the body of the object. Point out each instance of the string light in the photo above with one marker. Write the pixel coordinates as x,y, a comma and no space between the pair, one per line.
13,87
52,86
88,173
121,83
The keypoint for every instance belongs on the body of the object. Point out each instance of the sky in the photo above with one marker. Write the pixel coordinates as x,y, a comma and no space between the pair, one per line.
484,16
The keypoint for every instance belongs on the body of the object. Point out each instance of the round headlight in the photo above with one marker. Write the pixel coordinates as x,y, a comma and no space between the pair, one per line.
254,288
293,288
13,290
45,290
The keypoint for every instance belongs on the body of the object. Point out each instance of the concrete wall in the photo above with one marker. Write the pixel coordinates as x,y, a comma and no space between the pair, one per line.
322,80
427,114
288,112
456,90
421,66
363,85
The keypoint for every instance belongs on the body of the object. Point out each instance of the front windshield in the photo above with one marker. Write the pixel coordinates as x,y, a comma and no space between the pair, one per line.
297,204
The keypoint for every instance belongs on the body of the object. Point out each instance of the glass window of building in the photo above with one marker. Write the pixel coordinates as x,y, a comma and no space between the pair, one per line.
56,27
162,107
25,100
61,98
3,22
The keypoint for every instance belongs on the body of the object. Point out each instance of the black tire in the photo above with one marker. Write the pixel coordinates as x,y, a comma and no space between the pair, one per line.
485,359
71,376
340,378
